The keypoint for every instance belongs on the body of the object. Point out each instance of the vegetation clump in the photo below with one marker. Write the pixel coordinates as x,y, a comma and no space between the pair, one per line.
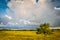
44,28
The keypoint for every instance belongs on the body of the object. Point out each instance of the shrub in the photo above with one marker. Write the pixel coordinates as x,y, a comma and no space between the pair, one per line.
44,28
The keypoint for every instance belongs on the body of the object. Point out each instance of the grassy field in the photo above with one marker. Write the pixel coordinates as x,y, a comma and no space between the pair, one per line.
28,35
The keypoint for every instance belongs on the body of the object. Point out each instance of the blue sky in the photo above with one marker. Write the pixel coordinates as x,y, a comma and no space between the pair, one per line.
3,7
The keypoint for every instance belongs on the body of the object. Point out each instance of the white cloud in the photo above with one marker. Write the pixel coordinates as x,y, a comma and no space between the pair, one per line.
9,17
28,9
27,22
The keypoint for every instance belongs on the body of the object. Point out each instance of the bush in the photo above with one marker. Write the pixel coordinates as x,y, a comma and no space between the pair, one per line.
44,28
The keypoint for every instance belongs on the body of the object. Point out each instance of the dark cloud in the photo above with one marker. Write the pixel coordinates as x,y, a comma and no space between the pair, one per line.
52,4
37,1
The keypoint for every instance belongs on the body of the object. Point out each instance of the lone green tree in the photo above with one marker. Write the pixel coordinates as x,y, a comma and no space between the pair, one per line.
44,28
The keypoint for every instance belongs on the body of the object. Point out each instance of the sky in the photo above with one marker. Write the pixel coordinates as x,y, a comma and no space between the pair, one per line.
3,7
31,11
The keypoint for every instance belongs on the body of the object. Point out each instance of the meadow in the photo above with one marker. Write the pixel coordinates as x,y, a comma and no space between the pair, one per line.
28,35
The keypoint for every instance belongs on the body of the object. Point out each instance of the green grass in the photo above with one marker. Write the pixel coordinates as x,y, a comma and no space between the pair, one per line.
28,35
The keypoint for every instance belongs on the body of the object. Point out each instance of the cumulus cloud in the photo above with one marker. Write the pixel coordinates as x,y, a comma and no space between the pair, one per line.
40,12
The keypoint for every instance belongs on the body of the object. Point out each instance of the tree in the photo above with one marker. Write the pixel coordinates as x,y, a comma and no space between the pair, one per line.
44,28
